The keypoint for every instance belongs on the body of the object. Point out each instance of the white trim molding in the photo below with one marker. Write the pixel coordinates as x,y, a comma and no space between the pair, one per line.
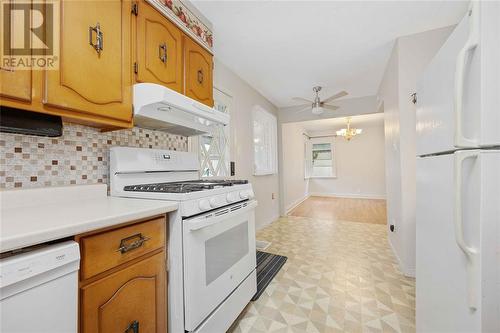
295,204
348,195
259,226
407,271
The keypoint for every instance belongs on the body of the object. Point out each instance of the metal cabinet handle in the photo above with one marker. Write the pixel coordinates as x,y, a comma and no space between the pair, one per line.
162,52
200,76
99,38
133,326
128,244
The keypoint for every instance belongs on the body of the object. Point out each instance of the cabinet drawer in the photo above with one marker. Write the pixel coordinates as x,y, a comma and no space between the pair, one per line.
109,249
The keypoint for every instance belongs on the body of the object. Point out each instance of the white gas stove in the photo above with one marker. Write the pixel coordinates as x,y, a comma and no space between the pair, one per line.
212,255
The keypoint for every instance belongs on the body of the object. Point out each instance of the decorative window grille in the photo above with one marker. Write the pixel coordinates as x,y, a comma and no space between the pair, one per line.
214,153
213,148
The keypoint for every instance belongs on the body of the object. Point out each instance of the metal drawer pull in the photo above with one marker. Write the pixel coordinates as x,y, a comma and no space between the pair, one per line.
162,50
133,326
126,244
200,76
99,38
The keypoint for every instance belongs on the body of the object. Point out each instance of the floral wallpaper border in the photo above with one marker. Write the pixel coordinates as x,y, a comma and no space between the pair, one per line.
187,20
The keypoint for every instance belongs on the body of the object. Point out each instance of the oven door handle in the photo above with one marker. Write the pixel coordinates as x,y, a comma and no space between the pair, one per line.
203,222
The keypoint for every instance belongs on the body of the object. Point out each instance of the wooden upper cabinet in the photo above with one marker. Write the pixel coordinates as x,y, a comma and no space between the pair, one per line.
158,48
15,84
133,297
198,72
94,73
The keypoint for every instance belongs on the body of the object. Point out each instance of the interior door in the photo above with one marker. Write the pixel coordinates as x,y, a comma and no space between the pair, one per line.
130,300
458,99
94,73
219,253
198,72
159,49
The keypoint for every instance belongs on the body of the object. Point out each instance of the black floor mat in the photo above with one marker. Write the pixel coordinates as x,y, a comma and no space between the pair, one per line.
268,265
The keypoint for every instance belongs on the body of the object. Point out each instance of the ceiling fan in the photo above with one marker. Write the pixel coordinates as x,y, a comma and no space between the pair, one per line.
318,106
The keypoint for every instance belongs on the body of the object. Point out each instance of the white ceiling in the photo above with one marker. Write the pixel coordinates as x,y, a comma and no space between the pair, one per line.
332,124
283,48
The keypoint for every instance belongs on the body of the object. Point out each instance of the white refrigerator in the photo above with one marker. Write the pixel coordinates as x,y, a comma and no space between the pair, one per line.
458,179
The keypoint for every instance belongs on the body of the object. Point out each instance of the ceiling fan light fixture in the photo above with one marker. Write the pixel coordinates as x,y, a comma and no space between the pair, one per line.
317,110
318,106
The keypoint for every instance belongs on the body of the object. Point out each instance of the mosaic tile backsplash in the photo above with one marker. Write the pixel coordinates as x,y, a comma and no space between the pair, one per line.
80,156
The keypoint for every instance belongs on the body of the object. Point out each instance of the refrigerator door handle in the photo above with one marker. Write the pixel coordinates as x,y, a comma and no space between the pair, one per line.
470,45
471,253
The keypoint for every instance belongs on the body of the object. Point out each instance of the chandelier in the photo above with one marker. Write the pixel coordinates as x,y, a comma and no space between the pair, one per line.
348,133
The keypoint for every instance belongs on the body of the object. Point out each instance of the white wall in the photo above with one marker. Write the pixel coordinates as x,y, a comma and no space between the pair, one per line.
295,187
410,56
359,164
244,99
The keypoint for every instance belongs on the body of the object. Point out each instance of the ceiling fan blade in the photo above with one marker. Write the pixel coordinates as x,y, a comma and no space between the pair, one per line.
331,107
337,95
303,109
302,99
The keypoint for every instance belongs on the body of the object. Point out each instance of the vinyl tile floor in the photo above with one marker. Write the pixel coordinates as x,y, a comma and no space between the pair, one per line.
339,277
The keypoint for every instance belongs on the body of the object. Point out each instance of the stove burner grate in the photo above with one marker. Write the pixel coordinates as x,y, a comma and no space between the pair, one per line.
183,187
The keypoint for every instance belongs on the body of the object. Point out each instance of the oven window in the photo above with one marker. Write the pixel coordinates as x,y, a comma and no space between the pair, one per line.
225,250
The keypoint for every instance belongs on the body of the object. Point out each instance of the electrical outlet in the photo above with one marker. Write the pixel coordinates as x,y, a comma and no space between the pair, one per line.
273,196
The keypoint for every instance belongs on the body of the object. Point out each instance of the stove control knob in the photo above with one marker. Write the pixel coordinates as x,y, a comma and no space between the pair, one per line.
251,195
204,205
244,194
213,202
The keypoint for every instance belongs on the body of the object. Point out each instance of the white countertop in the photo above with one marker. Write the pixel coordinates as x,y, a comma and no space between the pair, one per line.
34,216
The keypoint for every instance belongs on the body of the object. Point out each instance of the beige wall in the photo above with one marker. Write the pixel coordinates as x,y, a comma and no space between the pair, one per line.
410,56
359,165
295,187
244,99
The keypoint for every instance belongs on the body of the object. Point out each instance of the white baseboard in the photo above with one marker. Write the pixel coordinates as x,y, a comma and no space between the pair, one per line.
295,204
409,272
348,195
265,224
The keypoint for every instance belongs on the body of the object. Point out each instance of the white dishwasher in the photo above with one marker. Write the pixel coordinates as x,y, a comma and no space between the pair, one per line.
39,290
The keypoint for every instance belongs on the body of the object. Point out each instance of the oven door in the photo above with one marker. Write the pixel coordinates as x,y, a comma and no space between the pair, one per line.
219,253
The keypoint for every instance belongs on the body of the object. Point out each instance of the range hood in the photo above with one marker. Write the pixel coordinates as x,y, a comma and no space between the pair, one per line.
159,108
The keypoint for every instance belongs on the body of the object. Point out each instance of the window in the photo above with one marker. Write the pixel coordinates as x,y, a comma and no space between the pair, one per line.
264,142
213,148
320,161
214,153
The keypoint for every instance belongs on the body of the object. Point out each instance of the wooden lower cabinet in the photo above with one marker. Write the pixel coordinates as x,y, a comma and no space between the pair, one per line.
134,297
129,294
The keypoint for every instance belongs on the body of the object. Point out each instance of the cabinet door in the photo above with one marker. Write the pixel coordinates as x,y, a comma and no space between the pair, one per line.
159,49
94,73
198,72
14,83
135,296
